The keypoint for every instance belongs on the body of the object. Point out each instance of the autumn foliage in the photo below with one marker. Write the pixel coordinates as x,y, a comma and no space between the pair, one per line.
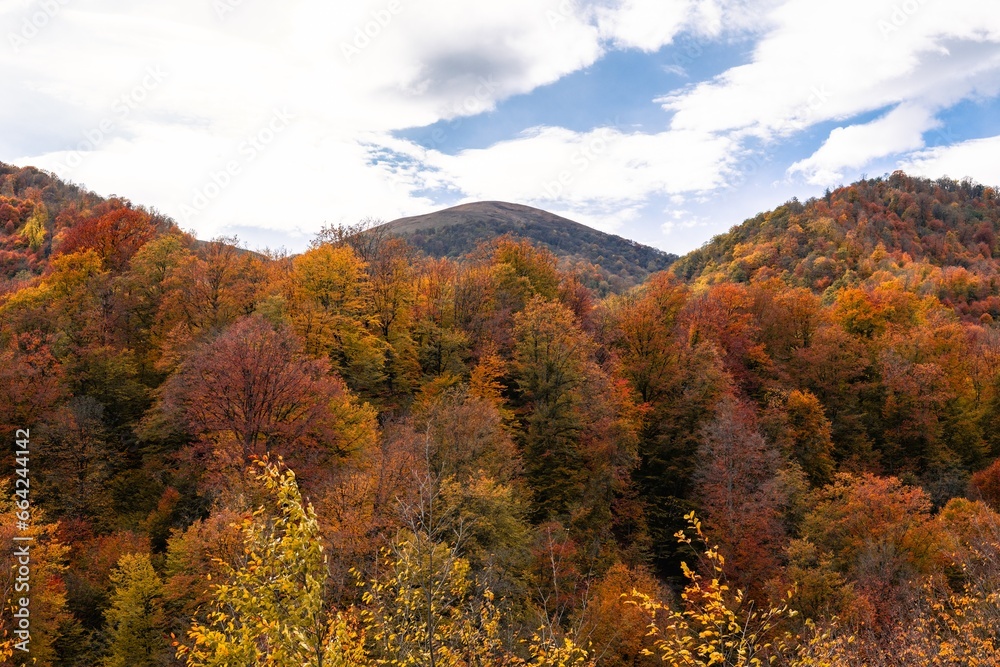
783,451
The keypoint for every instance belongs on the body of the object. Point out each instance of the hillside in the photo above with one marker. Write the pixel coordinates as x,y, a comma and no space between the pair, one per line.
455,232
39,212
940,237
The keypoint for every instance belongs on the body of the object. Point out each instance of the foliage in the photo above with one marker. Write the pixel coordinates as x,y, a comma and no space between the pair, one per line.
270,611
499,446
136,621
716,626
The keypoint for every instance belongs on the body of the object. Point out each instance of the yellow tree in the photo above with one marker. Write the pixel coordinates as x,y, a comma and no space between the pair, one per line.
135,619
269,609
425,609
329,292
43,586
716,625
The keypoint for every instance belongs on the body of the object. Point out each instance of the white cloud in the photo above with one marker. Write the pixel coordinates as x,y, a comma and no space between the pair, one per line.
681,221
975,159
643,24
854,146
651,24
346,72
833,61
352,73
588,173
349,73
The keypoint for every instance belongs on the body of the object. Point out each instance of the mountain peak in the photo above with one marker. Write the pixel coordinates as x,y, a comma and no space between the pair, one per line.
610,262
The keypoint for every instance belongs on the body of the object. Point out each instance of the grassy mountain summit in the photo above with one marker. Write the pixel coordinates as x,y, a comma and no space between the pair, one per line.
615,263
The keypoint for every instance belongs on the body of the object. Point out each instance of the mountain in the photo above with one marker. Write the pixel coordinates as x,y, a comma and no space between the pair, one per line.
613,262
936,237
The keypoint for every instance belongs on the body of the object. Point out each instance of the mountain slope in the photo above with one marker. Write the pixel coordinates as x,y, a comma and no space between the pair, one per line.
937,237
457,231
41,215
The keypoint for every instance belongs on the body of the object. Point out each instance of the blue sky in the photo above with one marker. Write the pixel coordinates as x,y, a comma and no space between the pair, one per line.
665,121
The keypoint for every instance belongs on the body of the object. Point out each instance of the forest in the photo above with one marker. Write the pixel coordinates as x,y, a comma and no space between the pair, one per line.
784,450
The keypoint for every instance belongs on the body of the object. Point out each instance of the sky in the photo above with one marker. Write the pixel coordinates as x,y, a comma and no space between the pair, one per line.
664,121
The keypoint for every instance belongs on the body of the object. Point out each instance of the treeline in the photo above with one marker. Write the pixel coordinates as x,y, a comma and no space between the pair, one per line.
357,455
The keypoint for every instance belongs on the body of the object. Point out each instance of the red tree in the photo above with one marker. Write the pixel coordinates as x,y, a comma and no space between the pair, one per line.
116,235
252,391
736,483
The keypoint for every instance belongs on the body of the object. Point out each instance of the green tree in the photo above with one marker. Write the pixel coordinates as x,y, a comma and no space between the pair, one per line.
135,619
580,426
550,364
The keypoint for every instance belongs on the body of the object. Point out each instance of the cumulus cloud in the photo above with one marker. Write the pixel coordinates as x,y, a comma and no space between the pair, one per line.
854,146
975,159
833,61
79,99
593,173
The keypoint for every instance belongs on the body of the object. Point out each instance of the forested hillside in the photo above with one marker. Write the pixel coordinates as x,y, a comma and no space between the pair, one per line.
937,237
783,451
38,210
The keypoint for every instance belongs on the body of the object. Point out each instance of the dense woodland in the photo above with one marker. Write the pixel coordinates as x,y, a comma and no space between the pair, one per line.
783,451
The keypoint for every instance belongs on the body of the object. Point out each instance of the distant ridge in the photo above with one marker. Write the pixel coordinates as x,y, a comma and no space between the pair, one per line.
457,231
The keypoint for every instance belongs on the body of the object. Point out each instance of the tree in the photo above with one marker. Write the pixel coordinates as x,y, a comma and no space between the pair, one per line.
616,629
328,291
878,532
426,605
723,316
77,471
251,391
579,425
796,423
716,625
986,484
213,288
196,560
529,271
270,610
31,382
390,272
34,230
737,485
65,308
550,364
426,609
486,382
644,334
46,592
135,619
840,371
441,346
679,379
116,235
464,435
142,313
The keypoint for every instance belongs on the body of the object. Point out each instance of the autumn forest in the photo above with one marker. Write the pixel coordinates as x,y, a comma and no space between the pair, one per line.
782,450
